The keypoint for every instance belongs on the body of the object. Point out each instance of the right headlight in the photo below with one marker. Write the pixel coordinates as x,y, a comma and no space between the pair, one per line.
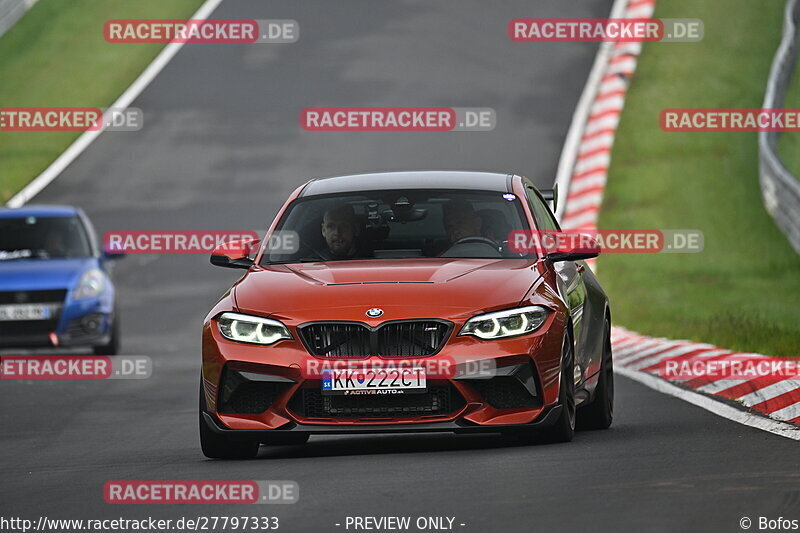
252,329
509,323
91,285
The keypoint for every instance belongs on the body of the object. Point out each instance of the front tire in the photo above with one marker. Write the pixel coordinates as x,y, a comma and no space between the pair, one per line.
564,428
216,446
112,347
600,413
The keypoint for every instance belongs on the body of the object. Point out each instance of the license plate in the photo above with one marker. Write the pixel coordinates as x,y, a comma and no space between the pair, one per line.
380,381
24,312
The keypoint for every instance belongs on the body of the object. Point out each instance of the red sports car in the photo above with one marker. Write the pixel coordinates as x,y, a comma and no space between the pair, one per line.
394,302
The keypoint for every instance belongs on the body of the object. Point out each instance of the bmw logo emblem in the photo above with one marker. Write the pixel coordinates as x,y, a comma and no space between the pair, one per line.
375,312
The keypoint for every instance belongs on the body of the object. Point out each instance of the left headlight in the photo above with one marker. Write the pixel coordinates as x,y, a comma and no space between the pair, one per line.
91,284
508,323
252,329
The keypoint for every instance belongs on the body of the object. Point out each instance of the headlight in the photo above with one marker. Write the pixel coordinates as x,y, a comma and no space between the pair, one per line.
253,329
506,323
91,284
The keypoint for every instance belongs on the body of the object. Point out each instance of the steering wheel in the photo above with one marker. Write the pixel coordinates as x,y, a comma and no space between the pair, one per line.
323,255
308,253
476,239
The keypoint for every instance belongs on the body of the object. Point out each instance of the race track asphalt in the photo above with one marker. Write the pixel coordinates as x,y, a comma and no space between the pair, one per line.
221,149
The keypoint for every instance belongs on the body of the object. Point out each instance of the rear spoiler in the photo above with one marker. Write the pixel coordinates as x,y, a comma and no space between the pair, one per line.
551,195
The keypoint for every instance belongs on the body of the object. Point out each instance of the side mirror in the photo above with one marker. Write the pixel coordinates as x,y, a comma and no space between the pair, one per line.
111,256
557,257
586,247
234,254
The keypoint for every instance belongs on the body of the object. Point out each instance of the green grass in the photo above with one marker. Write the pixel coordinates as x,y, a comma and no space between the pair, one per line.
743,291
56,56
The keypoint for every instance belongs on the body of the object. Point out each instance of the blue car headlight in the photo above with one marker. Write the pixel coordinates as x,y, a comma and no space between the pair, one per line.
91,284
252,329
509,323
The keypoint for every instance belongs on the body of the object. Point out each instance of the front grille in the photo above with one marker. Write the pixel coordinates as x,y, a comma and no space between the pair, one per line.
412,339
337,339
402,338
440,400
14,333
26,328
33,297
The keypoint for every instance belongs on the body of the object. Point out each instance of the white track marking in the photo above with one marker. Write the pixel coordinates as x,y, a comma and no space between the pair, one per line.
81,143
718,408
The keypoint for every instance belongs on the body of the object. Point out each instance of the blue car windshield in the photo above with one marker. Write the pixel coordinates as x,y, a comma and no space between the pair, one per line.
43,238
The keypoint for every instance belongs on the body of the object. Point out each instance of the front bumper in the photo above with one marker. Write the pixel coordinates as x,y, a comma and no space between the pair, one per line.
472,405
85,322
454,426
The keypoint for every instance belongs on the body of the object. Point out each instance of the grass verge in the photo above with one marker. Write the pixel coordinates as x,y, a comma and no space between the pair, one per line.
56,56
742,291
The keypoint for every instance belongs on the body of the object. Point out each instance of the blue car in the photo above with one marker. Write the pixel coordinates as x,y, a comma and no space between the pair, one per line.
55,288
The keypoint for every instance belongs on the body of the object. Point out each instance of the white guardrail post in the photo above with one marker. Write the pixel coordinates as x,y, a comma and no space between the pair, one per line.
779,188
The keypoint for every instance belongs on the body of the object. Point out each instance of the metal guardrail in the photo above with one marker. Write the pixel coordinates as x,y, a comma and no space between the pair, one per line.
11,11
779,188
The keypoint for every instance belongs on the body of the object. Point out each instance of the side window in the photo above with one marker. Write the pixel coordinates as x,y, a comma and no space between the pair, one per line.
544,219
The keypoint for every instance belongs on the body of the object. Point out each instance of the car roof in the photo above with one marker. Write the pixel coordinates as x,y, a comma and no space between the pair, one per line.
418,179
41,211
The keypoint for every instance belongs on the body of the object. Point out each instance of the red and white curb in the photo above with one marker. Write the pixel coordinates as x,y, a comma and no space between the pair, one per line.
583,168
582,176
772,395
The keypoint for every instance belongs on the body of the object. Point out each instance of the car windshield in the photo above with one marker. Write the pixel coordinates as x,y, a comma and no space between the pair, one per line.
400,224
42,238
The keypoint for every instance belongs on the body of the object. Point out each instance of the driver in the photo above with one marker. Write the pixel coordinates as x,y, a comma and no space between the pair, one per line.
460,220
54,243
340,230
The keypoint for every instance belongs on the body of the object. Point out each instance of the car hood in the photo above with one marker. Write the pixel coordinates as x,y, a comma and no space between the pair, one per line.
42,274
408,288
